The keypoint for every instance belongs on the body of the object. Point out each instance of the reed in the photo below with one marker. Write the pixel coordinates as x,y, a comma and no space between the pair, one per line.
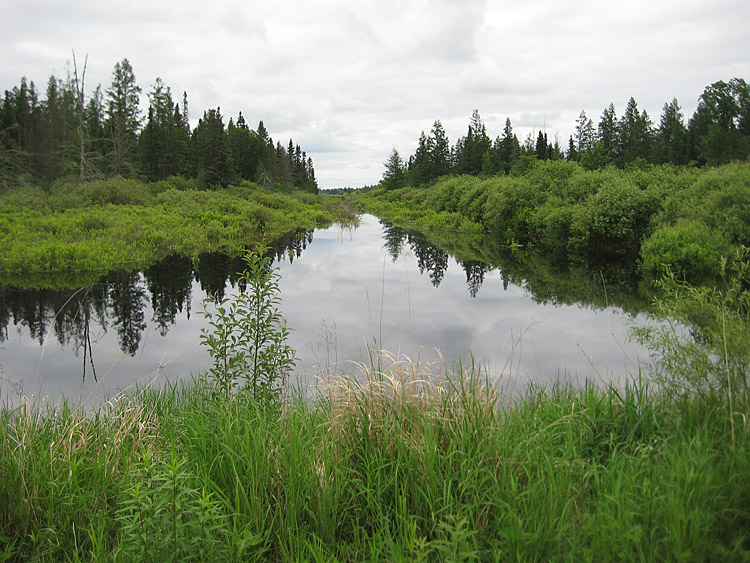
399,460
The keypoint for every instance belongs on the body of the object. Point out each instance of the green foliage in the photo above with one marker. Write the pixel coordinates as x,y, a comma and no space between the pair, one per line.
614,219
99,226
248,335
609,213
161,501
689,250
390,465
702,347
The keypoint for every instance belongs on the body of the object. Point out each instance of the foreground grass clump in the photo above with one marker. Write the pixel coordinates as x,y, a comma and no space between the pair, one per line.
404,463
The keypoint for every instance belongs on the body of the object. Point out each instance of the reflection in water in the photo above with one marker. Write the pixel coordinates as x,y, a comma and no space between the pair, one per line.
547,278
335,285
119,299
169,282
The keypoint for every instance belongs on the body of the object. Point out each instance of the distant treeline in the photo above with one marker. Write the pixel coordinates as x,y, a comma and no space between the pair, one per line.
717,133
69,134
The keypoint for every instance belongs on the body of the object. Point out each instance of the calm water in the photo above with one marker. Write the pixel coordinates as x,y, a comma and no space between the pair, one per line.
344,292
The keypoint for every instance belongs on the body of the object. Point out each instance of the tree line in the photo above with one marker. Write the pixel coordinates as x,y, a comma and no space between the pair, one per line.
717,133
63,133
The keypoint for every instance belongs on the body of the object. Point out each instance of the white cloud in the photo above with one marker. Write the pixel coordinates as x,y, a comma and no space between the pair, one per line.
350,80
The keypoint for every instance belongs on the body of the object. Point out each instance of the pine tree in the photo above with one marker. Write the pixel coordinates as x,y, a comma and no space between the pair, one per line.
157,158
440,151
510,148
243,147
572,154
634,134
608,134
541,146
671,142
420,164
96,131
584,134
211,151
123,118
471,149
394,174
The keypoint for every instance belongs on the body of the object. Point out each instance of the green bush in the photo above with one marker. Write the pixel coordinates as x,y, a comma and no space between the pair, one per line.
689,249
247,339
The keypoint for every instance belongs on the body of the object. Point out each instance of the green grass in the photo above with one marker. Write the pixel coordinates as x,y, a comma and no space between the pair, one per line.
99,226
400,464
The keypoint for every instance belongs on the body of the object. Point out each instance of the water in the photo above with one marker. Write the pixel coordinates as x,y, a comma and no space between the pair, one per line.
345,293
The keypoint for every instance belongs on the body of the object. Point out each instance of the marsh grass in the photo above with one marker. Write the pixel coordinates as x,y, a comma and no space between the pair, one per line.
397,461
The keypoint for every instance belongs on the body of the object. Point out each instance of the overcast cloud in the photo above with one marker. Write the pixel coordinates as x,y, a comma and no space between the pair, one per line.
349,80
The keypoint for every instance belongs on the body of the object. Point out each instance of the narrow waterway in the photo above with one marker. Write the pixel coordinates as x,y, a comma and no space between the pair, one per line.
345,294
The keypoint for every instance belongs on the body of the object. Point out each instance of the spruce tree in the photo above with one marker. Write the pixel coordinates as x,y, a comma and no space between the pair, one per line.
394,174
671,142
123,118
211,151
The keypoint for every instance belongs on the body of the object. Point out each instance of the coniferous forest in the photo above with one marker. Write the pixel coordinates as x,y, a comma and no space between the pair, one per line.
716,134
65,132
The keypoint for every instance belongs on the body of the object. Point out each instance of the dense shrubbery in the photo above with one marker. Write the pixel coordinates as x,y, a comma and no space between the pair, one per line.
117,222
559,206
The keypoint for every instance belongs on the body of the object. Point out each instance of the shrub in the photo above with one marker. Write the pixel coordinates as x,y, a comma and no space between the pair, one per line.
248,339
689,249
702,346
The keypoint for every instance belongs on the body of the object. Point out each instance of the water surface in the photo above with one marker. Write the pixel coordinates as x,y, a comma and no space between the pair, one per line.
345,293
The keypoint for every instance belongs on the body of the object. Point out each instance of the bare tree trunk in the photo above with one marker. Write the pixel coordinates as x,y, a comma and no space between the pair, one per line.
80,106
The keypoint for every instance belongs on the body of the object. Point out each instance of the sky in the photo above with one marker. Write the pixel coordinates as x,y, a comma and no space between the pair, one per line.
349,80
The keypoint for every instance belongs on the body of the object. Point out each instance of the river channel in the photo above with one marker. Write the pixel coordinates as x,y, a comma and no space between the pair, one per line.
345,293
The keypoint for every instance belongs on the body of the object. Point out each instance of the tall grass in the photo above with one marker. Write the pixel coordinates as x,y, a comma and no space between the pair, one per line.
403,462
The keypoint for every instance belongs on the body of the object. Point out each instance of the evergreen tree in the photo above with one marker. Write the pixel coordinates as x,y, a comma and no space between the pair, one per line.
540,149
283,166
634,134
311,183
52,131
21,121
394,174
180,147
96,131
211,151
470,149
440,151
158,158
584,134
671,141
510,148
123,118
608,135
244,151
572,154
420,164
492,163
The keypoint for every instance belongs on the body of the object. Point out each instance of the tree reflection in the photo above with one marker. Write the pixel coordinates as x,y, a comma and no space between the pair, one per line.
393,240
127,298
213,271
475,272
291,245
430,259
170,283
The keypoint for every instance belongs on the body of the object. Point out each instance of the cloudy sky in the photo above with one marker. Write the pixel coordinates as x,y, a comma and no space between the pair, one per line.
348,80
